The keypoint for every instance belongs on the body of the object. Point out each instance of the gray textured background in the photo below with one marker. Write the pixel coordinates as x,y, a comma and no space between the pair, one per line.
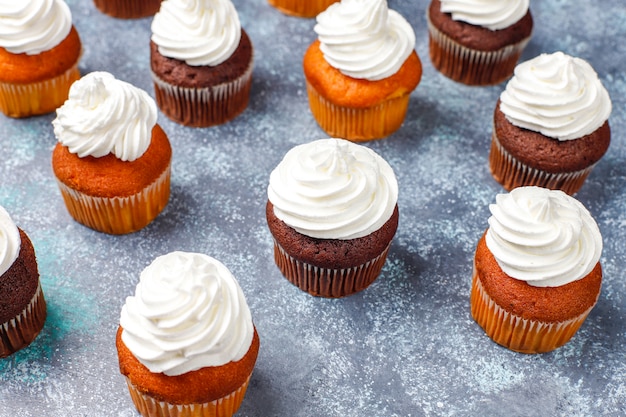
407,345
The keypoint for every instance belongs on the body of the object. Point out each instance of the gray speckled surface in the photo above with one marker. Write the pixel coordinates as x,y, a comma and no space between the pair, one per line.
407,345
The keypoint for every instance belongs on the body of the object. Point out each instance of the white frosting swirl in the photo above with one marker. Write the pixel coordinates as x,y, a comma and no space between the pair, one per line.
199,32
544,237
10,241
188,313
333,189
33,26
490,14
556,95
104,115
364,39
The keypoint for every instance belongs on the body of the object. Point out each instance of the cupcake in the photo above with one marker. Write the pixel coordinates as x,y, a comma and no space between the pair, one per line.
112,160
476,42
201,62
39,54
301,8
361,70
22,304
537,273
550,124
186,342
128,9
332,211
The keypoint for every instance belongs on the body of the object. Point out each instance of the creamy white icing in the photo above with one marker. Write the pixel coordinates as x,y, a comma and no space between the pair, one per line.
199,32
188,313
490,14
33,26
333,189
364,38
105,115
10,241
556,95
544,237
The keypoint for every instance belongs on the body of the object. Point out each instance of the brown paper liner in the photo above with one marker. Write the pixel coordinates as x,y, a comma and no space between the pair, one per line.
358,124
470,66
21,330
223,407
329,283
128,9
23,100
118,215
512,173
203,107
301,8
514,332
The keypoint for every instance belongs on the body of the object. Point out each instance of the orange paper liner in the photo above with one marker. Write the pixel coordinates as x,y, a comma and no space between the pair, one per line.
223,407
329,283
512,173
301,8
118,215
358,124
470,66
21,330
203,107
23,100
514,332
128,9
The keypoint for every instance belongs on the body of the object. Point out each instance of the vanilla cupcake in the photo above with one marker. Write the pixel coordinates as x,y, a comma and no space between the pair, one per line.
112,160
550,124
361,70
186,342
332,211
22,304
39,54
537,272
301,8
201,62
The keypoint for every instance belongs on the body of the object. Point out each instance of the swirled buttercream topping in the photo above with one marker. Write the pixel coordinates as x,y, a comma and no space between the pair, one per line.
364,39
188,312
10,241
544,237
33,26
333,189
490,14
556,95
105,115
199,32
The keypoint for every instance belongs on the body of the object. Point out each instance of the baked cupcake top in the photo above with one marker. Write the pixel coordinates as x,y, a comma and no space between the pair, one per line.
10,241
199,32
188,313
490,14
556,95
333,189
105,115
33,26
364,38
544,237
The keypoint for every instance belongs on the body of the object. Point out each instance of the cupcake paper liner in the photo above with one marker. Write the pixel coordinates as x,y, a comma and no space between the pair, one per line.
203,107
517,333
300,8
355,123
23,100
21,330
223,407
329,283
118,215
470,66
512,173
128,9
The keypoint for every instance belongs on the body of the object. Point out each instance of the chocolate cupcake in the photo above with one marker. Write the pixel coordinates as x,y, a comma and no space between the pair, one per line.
128,9
332,211
201,68
478,45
